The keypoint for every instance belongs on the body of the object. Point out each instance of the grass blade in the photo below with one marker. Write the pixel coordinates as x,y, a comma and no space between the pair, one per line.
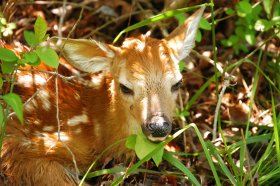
176,163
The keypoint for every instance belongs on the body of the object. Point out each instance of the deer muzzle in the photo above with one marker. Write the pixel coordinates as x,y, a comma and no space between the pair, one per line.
157,127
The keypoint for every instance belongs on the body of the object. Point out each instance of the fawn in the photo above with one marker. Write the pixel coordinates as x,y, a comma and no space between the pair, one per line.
130,88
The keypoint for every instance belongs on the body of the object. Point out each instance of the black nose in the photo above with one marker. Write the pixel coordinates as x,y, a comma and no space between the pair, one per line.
157,127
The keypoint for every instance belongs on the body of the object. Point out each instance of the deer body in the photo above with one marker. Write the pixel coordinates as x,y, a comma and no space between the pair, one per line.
131,88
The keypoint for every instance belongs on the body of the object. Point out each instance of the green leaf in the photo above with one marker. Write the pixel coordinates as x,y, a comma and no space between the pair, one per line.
46,37
182,65
48,56
22,61
157,157
239,30
263,25
30,38
14,101
1,115
198,36
7,67
130,142
184,113
40,28
143,147
181,18
232,40
244,8
31,57
3,21
229,11
276,20
7,55
267,5
250,37
204,24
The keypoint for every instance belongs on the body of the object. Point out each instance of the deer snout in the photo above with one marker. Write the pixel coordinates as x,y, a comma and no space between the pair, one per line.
157,127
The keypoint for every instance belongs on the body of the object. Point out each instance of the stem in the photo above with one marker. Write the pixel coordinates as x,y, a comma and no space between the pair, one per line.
6,114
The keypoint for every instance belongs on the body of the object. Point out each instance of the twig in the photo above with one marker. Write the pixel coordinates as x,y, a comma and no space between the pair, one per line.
218,65
4,123
183,122
112,21
57,74
61,20
82,5
58,132
33,96
220,97
76,23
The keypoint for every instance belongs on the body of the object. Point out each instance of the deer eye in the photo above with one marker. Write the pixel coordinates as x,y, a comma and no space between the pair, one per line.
126,90
176,86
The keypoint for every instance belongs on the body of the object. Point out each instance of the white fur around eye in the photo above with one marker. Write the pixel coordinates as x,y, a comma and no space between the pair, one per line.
123,80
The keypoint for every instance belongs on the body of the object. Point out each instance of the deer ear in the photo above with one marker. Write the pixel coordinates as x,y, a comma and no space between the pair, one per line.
182,39
86,55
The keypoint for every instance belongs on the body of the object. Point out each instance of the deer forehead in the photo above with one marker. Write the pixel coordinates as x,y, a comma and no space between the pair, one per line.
147,62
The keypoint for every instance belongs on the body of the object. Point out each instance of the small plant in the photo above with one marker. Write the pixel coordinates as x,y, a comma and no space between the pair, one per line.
11,61
252,20
6,29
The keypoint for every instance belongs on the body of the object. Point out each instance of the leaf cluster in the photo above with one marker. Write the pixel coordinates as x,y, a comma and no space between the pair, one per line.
252,20
10,61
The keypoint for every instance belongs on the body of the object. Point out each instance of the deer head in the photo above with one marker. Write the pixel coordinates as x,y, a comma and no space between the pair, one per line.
144,72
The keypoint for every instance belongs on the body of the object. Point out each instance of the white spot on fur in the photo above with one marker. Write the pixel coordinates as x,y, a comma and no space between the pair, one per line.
44,96
48,141
25,80
31,106
78,131
76,120
96,81
63,136
40,80
97,130
77,96
28,80
37,122
48,128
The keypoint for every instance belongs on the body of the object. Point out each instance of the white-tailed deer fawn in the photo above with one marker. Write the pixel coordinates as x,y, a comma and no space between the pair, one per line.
131,88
